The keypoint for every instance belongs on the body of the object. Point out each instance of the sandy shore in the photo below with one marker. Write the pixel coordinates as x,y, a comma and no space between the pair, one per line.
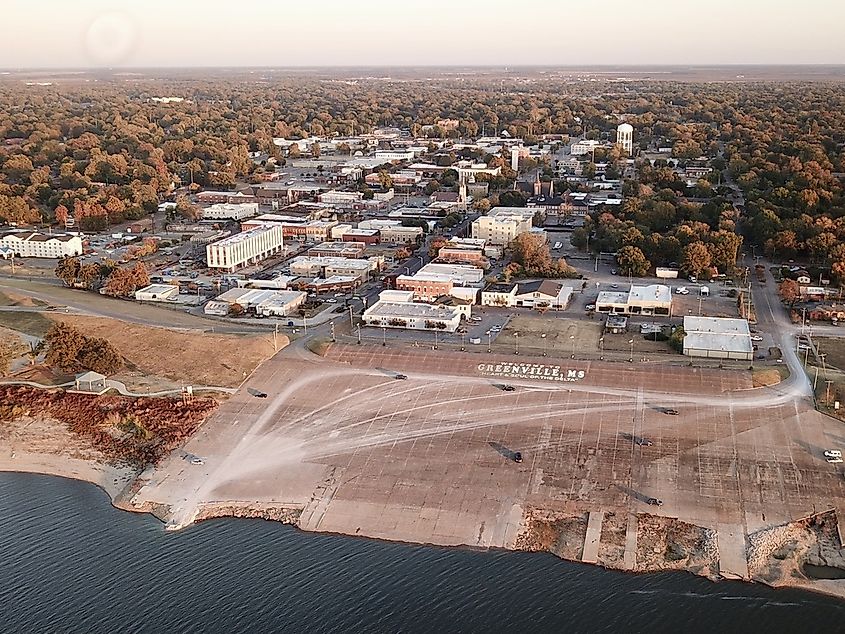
39,445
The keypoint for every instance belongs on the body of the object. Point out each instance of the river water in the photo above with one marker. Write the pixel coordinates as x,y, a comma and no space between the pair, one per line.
69,562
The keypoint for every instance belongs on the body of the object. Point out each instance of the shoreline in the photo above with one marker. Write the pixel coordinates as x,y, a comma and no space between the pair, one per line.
103,476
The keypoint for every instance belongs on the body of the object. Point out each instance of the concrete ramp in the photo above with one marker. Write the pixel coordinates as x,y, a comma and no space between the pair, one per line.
629,559
593,538
733,561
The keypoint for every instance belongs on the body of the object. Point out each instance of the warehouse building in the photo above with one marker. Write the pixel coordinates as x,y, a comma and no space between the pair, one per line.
157,292
718,338
263,302
308,266
654,299
540,294
245,248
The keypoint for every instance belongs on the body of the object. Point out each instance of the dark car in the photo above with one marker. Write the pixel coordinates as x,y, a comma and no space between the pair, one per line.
401,377
645,442
256,393
517,456
654,502
508,388
670,411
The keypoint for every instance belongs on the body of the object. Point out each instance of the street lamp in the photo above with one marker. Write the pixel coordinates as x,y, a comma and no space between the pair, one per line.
516,339
572,338
545,343
631,358
383,335
601,348
463,347
359,334
351,321
489,341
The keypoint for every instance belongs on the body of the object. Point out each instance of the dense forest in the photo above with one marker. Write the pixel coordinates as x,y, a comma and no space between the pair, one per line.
103,151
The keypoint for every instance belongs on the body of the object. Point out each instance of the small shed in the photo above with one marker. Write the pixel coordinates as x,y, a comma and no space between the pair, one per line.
91,383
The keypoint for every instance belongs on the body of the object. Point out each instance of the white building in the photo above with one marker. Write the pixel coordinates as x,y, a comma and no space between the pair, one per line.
315,266
230,211
625,137
405,314
718,338
502,225
264,302
586,146
157,292
461,275
33,244
394,155
655,299
247,247
393,232
336,197
545,294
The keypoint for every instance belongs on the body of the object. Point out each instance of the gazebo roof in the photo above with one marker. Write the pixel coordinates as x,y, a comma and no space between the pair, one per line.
90,377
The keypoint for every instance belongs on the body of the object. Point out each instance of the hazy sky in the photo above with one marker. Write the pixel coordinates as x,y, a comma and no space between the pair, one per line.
77,33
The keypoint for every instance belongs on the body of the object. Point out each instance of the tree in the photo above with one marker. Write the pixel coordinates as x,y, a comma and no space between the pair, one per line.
696,259
100,356
789,292
385,180
10,348
67,270
512,198
293,151
63,343
481,205
236,310
62,215
632,261
315,150
123,282
676,341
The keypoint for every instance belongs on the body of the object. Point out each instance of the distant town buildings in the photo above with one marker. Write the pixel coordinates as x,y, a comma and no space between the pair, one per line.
502,225
230,211
654,299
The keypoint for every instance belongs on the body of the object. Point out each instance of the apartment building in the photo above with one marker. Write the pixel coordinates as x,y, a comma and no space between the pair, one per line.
245,248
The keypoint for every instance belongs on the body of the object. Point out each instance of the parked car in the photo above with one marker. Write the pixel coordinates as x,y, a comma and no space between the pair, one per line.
517,456
832,453
508,388
197,461
670,411
756,338
654,502
613,272
590,307
475,319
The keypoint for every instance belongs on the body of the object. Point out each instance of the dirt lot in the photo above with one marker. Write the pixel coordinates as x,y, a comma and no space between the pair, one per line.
151,353
562,336
834,351
14,299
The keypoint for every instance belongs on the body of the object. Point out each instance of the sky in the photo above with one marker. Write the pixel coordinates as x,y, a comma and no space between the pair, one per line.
178,33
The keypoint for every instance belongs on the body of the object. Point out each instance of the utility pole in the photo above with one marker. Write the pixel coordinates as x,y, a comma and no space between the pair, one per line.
275,335
351,321
516,339
827,391
631,358
331,325
359,334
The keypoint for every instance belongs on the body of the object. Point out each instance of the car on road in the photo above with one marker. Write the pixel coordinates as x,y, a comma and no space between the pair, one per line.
517,456
654,502
197,461
508,388
756,338
401,377
614,286
670,411
834,460
495,328
613,272
331,300
832,453
475,319
645,442
256,393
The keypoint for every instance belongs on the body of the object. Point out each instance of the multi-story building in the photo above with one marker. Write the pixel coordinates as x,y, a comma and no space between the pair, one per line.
338,250
33,244
425,288
308,266
393,232
247,247
502,225
210,197
230,211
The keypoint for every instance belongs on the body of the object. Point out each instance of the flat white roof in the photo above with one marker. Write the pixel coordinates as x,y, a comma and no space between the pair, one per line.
158,288
245,235
404,309
716,325
652,293
612,297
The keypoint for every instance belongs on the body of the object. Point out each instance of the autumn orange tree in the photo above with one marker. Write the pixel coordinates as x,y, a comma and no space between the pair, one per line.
70,350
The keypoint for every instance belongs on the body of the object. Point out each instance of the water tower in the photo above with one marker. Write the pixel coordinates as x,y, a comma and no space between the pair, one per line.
625,138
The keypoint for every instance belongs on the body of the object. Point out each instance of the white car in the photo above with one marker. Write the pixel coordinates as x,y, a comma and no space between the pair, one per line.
756,338
331,300
682,290
590,307
475,319
834,460
832,453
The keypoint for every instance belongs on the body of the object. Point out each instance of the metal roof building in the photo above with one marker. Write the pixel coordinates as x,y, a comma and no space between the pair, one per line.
718,338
